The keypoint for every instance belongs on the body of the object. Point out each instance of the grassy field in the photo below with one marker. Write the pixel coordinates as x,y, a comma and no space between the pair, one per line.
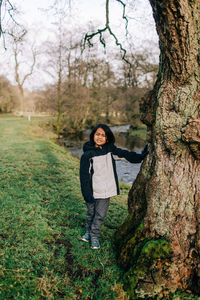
43,215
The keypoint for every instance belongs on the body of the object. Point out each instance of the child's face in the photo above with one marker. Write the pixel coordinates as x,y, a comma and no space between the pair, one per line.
99,137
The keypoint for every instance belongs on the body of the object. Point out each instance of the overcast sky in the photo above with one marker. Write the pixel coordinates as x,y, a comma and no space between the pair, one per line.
141,25
79,12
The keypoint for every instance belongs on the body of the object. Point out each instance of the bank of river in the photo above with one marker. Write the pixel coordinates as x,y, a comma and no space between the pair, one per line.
127,172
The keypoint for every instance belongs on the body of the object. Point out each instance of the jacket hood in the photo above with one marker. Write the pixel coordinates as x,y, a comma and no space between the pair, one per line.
88,146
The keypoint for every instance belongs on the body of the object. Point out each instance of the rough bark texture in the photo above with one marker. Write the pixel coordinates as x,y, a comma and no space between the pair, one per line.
159,244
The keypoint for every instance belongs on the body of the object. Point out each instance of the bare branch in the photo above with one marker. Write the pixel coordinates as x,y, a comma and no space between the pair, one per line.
99,32
107,13
31,67
120,45
1,29
10,9
124,14
88,37
1,1
57,7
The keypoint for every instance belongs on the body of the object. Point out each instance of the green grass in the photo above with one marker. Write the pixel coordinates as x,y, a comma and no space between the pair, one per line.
141,132
42,215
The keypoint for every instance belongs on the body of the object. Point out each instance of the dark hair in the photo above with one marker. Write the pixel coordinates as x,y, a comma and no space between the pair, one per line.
109,135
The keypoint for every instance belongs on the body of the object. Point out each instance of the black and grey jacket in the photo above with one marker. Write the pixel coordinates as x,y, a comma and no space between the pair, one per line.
98,174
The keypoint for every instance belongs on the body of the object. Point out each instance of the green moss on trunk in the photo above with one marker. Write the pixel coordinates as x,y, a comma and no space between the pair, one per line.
145,256
140,256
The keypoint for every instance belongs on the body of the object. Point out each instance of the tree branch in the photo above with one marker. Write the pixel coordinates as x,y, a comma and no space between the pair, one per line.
1,1
99,32
31,67
124,14
9,8
1,28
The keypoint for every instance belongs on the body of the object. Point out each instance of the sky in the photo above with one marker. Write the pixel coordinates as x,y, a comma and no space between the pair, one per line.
141,23
79,13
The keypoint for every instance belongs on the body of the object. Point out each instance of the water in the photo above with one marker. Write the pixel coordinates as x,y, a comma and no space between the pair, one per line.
126,171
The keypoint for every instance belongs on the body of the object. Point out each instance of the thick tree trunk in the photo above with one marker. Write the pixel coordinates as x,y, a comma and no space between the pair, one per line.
159,244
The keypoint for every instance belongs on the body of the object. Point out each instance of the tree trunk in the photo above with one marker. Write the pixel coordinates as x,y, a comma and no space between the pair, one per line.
159,244
21,97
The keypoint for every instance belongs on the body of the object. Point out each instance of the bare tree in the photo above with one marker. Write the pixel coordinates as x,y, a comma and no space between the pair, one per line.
59,64
143,70
23,68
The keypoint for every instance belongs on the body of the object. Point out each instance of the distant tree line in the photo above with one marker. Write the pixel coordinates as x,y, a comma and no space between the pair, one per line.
86,88
9,99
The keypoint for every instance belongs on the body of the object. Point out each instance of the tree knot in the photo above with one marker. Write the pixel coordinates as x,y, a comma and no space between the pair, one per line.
191,135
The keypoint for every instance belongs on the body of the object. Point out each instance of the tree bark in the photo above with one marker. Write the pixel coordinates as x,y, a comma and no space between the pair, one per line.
159,243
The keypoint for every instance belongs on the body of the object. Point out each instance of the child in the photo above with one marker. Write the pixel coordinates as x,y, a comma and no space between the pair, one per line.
98,178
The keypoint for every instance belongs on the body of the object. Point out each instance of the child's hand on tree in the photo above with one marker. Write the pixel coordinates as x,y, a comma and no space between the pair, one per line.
145,151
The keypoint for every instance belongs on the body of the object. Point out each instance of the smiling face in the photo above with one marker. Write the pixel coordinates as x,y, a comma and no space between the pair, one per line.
99,137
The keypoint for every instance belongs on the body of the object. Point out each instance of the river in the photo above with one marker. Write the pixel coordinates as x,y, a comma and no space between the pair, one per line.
126,171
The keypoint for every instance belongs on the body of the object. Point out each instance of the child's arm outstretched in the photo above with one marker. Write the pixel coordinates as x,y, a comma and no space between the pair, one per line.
131,156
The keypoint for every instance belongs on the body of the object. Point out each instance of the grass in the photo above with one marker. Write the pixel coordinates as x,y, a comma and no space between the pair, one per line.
140,132
43,214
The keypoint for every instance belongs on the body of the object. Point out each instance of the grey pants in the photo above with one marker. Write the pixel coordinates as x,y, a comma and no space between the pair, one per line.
95,215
